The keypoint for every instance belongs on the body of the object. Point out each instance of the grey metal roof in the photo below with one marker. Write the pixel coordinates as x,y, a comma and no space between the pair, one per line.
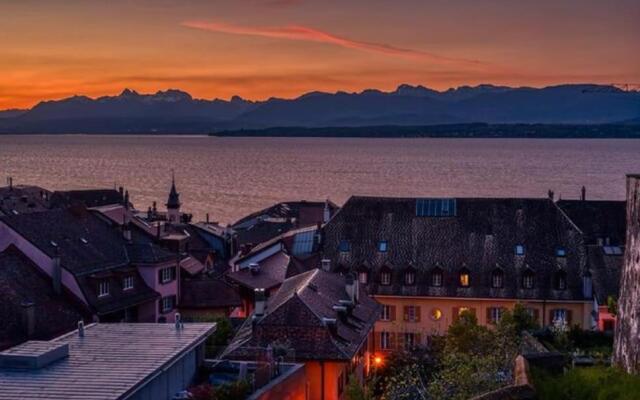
111,361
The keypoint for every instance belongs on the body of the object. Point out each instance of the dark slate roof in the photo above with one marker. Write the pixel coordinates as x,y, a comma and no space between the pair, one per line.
605,270
23,199
87,198
295,313
598,219
205,292
272,272
21,281
481,237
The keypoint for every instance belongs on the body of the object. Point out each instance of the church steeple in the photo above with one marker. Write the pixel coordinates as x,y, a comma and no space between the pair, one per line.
173,203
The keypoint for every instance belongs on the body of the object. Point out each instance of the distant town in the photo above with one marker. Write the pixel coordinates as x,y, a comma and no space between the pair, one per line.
305,299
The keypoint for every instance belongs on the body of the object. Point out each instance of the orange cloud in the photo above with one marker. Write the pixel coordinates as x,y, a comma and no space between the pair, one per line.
303,33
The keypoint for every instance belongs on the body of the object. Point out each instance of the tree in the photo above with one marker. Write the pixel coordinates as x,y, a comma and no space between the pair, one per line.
355,391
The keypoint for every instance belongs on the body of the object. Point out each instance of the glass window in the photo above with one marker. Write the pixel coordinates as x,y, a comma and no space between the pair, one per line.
385,278
103,288
495,314
344,246
436,278
127,283
409,278
382,246
561,252
561,280
559,314
409,340
167,274
386,313
410,313
528,280
464,278
519,250
363,277
385,342
497,278
436,314
167,304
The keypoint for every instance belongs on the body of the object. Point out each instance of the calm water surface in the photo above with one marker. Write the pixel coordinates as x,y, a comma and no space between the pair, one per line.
230,177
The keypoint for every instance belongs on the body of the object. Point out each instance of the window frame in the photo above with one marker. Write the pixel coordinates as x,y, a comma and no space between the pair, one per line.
409,274
560,280
385,278
171,275
520,250
495,314
409,340
526,276
385,314
165,310
385,340
383,246
562,311
464,283
440,280
127,282
366,277
497,274
411,313
104,288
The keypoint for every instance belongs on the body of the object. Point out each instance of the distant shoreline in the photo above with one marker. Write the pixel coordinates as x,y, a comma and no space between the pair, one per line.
453,131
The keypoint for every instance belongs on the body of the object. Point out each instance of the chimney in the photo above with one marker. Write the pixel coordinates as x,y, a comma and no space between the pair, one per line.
351,286
178,322
10,183
126,199
326,215
56,273
28,318
260,302
81,328
341,311
551,195
583,194
207,218
121,191
326,264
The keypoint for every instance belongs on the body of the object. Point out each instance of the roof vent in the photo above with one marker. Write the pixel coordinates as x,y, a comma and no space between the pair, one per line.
331,323
326,264
83,240
254,268
33,355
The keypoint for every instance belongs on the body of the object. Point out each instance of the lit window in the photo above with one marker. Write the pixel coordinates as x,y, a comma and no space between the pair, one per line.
463,309
497,278
409,340
127,283
436,314
344,246
386,313
561,252
382,246
385,340
103,288
528,279
559,314
409,278
464,278
519,250
495,314
167,304
436,278
385,278
561,280
167,274
363,277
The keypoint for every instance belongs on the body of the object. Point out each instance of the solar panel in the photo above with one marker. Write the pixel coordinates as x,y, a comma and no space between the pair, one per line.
436,207
303,243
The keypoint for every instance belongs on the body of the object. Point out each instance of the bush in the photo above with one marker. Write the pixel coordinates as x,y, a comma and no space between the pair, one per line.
232,391
594,383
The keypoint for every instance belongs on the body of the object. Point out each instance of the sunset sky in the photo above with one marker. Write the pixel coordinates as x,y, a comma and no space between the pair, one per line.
51,49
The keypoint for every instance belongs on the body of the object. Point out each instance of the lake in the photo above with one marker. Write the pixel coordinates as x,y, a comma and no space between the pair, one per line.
231,177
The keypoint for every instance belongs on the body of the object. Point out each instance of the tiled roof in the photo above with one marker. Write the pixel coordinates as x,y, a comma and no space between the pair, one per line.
111,361
605,270
272,272
297,315
479,235
205,292
88,198
598,219
23,199
21,281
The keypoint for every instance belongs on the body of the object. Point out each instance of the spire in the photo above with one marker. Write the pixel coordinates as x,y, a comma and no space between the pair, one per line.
174,197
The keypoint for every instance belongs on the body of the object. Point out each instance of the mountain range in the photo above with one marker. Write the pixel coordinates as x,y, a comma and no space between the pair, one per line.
175,111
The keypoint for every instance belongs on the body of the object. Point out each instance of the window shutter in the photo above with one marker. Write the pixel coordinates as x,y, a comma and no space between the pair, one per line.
456,314
489,321
569,316
160,275
392,313
392,340
406,313
417,313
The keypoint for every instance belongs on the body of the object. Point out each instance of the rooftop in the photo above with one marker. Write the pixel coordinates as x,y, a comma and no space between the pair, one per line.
111,361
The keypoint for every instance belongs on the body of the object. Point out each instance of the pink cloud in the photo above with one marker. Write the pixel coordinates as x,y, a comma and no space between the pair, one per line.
303,33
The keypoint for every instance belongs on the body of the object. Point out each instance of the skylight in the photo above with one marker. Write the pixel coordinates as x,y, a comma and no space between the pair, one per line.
519,250
436,207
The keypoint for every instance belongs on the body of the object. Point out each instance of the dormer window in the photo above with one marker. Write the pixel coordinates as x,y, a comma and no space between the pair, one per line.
436,277
385,278
409,277
363,277
382,246
127,283
561,252
103,288
167,275
464,279
519,250
528,279
497,278
561,280
344,246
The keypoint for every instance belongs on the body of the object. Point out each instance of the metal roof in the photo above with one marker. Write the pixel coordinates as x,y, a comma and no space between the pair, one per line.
111,361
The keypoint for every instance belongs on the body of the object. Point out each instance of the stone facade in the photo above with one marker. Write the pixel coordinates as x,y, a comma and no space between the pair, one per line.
627,337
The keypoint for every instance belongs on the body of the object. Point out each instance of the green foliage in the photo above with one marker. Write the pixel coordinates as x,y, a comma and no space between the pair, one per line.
223,332
612,305
355,391
595,383
515,322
